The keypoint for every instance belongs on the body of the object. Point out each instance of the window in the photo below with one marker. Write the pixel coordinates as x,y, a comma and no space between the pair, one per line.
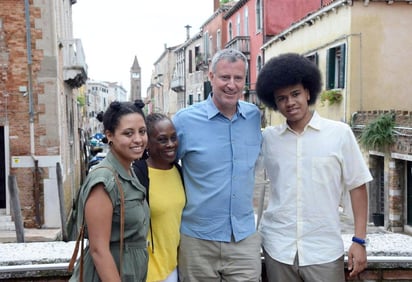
313,58
259,64
218,40
238,25
230,31
206,46
258,15
190,57
211,46
246,22
335,68
199,58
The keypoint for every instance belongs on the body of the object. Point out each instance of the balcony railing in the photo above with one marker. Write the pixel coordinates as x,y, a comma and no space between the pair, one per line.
74,63
240,43
178,83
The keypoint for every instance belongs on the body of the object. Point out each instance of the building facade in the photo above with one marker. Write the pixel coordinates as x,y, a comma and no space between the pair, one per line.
42,67
360,85
162,97
361,48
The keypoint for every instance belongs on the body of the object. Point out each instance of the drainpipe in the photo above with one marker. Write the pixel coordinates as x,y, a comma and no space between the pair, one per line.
36,188
30,79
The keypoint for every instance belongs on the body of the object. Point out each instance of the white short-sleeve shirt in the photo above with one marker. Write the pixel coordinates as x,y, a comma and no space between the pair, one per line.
308,173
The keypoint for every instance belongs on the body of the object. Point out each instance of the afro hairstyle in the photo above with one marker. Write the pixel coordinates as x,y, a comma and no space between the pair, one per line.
287,70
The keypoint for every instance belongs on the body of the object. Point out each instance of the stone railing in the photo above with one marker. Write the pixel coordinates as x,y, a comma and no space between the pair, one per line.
389,259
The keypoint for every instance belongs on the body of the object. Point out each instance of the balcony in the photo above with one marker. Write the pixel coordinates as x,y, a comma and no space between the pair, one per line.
74,63
178,84
202,61
240,43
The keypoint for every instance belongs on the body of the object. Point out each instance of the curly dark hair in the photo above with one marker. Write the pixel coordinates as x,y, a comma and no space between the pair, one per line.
287,70
152,119
116,110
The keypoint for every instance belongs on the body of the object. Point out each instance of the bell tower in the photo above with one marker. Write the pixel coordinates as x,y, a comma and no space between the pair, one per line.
135,81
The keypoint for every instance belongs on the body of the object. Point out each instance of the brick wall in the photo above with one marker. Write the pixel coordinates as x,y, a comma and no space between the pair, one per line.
15,73
383,274
403,124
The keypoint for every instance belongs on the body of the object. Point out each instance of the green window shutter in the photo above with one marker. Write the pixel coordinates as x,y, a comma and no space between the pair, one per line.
342,66
330,68
207,88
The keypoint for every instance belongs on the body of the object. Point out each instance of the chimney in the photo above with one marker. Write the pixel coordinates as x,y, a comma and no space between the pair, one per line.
216,5
187,31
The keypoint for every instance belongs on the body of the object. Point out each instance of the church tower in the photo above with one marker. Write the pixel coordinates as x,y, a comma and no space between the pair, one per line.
135,81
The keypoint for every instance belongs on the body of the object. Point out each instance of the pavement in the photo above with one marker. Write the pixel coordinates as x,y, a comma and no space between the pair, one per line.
32,235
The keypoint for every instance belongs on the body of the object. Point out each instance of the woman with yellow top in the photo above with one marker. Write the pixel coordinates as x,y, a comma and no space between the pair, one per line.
166,197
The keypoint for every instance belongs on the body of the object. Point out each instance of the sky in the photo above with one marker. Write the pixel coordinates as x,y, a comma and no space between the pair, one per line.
114,32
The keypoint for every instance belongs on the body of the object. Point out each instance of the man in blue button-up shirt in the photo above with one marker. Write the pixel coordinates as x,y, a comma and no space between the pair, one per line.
219,143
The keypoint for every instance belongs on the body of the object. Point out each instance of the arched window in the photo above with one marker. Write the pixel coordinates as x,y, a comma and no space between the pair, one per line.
259,64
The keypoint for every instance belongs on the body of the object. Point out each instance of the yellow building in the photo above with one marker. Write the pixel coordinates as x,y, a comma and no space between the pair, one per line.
364,50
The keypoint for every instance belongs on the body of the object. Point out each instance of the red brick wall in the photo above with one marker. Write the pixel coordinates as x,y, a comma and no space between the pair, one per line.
12,15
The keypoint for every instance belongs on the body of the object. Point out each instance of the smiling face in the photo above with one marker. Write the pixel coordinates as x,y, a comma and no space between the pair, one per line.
292,103
162,145
228,81
129,139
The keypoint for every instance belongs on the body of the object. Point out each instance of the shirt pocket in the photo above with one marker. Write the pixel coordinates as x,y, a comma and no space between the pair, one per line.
325,170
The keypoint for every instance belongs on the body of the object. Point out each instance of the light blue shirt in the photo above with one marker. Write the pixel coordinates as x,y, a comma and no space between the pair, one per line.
218,158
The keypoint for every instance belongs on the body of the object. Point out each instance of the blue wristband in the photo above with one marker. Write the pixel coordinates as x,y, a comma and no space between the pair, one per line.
360,241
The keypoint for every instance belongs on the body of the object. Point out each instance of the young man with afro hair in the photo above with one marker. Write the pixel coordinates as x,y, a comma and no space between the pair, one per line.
310,161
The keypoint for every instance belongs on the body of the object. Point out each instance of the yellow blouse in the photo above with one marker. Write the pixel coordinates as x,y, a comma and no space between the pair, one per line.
167,199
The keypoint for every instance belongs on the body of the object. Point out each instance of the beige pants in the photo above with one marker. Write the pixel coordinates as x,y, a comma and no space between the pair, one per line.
211,261
327,272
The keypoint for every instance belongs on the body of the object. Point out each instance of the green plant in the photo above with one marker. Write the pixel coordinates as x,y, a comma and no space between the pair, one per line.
81,100
332,96
379,133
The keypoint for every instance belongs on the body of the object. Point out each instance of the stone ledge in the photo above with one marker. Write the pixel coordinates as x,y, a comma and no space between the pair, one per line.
388,254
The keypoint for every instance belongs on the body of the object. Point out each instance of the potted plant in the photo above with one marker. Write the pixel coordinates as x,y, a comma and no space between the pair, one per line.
379,133
331,95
